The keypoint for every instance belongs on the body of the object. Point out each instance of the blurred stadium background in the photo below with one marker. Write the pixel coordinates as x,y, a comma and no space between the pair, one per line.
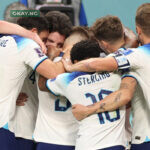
124,9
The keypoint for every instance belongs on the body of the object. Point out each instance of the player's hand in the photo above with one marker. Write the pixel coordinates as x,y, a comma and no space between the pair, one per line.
67,52
22,98
37,39
67,64
79,111
53,52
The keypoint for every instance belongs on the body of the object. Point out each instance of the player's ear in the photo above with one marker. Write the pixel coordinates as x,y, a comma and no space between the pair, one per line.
103,44
34,30
138,30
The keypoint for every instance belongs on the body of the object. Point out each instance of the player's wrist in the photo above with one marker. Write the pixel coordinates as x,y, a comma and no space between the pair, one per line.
92,109
32,35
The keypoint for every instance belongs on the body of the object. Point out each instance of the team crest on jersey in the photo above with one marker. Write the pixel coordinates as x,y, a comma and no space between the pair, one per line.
39,52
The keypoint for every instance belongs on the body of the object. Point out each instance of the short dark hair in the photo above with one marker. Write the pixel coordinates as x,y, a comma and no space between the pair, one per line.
40,23
59,22
143,18
108,28
84,50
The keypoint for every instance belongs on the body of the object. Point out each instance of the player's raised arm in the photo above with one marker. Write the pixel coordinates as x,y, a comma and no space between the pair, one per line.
11,28
110,102
92,65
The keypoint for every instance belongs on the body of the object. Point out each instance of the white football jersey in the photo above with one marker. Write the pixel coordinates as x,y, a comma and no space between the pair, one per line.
23,122
138,61
128,128
55,123
99,130
18,54
141,119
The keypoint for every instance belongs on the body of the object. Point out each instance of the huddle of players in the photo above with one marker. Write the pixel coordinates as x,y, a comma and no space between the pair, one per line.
55,126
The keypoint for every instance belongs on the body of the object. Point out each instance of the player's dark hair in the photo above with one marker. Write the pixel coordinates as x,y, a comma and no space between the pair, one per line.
59,22
108,28
143,18
84,50
40,23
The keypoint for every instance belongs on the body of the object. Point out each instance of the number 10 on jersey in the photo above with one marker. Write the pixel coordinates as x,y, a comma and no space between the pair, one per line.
107,114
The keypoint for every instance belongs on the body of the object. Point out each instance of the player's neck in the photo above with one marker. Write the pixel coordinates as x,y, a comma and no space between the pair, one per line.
146,41
117,45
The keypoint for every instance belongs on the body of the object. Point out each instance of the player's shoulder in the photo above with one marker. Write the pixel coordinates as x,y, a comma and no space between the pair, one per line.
23,42
7,37
145,48
139,50
69,77
125,51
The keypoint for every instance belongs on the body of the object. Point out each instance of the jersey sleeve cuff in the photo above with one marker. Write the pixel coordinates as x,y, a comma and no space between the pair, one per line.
127,75
48,87
61,54
39,63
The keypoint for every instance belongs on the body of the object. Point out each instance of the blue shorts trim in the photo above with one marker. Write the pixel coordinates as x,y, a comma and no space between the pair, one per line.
119,147
9,142
142,146
46,146
25,144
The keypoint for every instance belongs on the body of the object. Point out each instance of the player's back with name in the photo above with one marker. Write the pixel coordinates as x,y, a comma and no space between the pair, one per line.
97,130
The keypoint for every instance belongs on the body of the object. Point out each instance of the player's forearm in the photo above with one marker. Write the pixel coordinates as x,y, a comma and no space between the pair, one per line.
94,65
119,98
60,67
49,69
11,28
110,103
42,80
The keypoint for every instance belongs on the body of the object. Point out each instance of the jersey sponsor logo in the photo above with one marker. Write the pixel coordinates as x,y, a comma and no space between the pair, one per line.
39,52
3,43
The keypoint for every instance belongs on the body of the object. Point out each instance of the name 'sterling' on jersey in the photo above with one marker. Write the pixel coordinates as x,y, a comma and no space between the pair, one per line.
92,79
